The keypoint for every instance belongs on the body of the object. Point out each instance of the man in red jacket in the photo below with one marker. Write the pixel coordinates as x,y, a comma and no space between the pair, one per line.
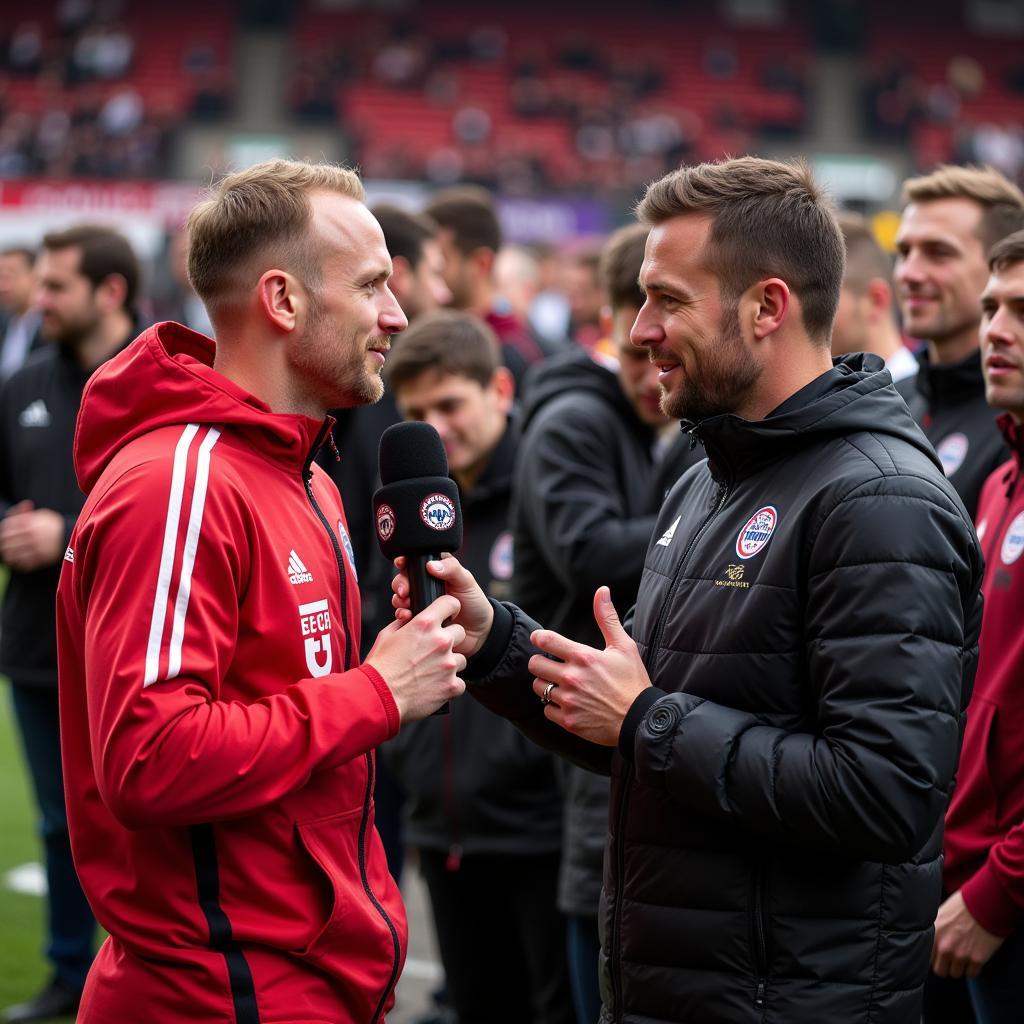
979,930
218,728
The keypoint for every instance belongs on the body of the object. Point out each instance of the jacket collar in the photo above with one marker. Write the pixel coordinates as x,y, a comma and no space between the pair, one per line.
950,383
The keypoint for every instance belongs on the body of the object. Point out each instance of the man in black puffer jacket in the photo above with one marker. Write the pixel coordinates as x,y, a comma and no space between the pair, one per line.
782,729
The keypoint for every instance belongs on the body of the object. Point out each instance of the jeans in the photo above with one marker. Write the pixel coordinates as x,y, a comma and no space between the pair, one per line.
998,992
70,923
584,953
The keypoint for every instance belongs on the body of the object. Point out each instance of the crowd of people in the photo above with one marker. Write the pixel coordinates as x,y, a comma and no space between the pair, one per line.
728,736
89,116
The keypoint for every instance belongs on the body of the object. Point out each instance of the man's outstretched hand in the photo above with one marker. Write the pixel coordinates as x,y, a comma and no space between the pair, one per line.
593,689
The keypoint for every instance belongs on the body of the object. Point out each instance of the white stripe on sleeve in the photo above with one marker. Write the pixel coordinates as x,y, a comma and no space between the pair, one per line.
163,581
188,561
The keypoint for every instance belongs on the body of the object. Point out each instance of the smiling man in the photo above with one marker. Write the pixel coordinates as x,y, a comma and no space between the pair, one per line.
218,726
951,218
781,716
979,932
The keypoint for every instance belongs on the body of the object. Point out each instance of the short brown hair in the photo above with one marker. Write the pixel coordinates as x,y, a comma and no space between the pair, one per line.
1007,252
621,260
1001,202
447,341
865,257
404,232
768,219
249,214
468,212
103,252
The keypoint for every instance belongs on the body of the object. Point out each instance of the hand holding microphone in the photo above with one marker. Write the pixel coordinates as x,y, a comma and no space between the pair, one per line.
417,515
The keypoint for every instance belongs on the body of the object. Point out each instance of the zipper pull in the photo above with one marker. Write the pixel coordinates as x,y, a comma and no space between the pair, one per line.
334,445
759,996
454,860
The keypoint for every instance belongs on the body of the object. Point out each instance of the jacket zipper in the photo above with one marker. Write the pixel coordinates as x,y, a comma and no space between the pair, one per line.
760,940
620,851
307,478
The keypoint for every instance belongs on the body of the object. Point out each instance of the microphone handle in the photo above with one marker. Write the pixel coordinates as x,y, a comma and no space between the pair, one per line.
424,589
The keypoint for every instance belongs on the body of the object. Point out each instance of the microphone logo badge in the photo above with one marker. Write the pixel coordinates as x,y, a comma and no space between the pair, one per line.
385,522
438,512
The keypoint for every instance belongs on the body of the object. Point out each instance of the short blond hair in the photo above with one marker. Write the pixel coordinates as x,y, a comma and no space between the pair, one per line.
257,214
1001,202
768,219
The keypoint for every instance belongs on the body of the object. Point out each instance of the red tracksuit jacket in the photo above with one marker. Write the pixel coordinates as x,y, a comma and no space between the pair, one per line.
985,821
217,732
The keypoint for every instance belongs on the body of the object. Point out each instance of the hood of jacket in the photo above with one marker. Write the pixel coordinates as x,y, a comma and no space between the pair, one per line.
166,377
857,394
576,371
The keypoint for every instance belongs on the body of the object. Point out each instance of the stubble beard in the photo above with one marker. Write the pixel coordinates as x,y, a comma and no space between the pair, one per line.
342,376
724,374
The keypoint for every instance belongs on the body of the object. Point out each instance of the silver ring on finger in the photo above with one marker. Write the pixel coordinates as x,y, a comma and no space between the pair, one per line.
546,695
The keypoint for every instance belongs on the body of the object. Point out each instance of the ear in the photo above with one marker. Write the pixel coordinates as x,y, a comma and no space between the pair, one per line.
111,293
606,322
483,260
278,300
879,295
504,385
771,299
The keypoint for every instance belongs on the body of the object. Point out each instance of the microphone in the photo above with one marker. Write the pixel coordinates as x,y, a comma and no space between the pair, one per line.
416,511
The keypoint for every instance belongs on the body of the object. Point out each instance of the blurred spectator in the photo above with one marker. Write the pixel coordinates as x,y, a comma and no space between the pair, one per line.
596,457
19,319
470,240
865,320
87,290
950,220
25,49
582,284
174,298
483,806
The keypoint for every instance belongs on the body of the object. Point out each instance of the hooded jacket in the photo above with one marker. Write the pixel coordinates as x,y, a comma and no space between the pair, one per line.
949,405
809,616
985,823
217,731
586,495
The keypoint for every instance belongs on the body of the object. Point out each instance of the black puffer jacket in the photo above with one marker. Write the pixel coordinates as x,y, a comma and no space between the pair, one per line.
777,797
948,403
586,496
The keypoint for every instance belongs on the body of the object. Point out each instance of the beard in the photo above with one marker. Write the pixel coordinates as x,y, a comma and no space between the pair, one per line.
722,374
333,362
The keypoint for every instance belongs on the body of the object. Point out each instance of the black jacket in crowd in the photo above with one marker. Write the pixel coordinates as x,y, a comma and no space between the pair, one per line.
948,403
809,616
586,496
38,409
475,784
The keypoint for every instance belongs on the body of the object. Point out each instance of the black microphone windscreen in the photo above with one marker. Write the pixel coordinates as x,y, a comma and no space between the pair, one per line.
421,516
410,450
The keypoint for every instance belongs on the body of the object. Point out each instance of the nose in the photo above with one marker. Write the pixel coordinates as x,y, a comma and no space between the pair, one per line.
645,330
999,329
909,268
391,319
